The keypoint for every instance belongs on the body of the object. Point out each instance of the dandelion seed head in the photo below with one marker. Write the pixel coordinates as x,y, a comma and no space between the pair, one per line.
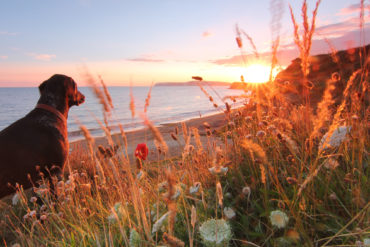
279,219
215,232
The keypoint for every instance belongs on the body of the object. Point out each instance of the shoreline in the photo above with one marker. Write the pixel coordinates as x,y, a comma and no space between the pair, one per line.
144,135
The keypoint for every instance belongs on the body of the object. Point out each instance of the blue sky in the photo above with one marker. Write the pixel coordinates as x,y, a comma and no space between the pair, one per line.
158,40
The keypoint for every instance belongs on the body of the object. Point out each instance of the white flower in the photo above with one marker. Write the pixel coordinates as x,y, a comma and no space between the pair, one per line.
247,191
32,213
33,199
229,213
15,199
135,239
177,193
195,188
279,219
367,242
215,233
162,186
335,139
140,175
159,223
117,212
218,170
260,133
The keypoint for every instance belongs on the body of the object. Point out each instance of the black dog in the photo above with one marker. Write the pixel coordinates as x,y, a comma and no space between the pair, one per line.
40,139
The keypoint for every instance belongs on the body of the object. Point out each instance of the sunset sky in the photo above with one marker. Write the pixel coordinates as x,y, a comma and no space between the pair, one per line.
149,41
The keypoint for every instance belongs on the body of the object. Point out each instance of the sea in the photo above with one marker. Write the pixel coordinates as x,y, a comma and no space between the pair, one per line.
168,104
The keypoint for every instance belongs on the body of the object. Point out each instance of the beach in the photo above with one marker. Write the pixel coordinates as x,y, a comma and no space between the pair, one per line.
175,147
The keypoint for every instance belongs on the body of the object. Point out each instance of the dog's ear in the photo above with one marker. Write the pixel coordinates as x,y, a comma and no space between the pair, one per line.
42,86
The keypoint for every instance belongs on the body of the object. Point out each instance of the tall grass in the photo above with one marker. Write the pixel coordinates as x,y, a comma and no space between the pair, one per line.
263,179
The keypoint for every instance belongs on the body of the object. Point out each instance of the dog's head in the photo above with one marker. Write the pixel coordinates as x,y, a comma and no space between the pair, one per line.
62,88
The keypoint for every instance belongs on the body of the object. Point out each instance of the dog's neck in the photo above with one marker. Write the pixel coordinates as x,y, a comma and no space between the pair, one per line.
61,105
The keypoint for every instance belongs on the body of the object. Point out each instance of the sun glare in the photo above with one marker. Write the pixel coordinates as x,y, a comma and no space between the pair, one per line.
257,73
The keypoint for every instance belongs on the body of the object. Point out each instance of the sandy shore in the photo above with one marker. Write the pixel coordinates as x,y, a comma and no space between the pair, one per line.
145,136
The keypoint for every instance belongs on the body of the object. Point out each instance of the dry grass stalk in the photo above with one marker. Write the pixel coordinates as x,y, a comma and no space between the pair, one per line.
197,138
171,204
276,9
304,44
132,102
147,100
251,42
185,133
255,151
219,194
106,93
172,241
193,216
157,135
98,93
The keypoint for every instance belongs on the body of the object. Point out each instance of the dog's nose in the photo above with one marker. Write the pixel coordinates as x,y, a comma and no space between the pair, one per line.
81,98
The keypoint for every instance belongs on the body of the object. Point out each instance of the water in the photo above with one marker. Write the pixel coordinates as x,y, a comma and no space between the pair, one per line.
167,104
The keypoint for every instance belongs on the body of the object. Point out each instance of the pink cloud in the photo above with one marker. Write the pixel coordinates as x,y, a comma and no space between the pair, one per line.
354,8
3,57
206,34
146,60
42,57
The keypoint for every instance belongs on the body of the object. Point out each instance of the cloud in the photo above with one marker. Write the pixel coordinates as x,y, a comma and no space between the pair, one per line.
42,57
207,34
285,56
3,57
6,33
146,60
354,8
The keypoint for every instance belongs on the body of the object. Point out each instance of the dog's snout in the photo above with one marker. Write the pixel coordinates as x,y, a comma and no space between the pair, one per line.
81,98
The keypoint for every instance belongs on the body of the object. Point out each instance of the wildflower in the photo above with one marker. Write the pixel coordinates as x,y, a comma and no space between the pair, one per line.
331,164
335,139
141,151
260,133
333,196
16,245
33,199
215,233
135,239
248,119
26,216
159,223
367,242
162,186
15,199
247,191
248,137
43,217
32,213
117,212
271,128
140,175
291,180
218,170
195,188
279,219
229,213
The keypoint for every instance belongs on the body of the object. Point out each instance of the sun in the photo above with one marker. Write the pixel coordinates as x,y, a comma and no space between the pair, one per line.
257,73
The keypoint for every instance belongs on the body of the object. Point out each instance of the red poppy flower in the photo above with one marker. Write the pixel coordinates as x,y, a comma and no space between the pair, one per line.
141,151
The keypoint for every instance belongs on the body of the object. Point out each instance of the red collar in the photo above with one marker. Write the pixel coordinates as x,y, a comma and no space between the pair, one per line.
52,110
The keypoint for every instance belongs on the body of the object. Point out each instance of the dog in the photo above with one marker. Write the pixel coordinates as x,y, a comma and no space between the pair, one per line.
38,141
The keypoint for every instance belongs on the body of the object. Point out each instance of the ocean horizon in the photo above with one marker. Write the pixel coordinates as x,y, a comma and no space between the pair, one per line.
168,104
